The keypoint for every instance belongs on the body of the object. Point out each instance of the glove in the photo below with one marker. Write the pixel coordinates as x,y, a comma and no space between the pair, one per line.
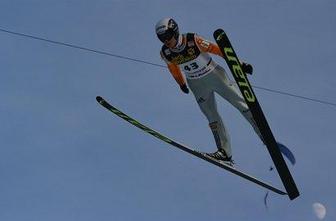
247,68
184,88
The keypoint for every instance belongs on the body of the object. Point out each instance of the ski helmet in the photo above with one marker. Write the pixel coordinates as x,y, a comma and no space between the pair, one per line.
166,29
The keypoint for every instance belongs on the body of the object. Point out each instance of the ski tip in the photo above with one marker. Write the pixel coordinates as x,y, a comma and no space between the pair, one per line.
218,32
99,99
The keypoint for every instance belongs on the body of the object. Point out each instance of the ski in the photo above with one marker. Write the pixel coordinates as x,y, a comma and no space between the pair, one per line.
180,146
245,87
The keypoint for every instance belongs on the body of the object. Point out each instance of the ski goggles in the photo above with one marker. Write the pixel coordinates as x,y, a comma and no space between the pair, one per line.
166,36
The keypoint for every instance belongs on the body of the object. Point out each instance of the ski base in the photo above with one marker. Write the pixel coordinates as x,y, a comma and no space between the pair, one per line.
183,147
245,87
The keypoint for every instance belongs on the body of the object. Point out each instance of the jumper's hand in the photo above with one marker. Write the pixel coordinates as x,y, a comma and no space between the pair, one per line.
247,68
184,88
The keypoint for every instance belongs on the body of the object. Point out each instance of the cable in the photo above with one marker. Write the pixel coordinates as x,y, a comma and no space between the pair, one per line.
150,63
77,47
296,96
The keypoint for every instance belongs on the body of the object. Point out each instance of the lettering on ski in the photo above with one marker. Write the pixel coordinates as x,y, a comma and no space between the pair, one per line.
134,122
240,75
180,146
258,115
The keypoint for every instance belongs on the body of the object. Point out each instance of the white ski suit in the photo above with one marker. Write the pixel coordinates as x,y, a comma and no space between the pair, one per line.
204,78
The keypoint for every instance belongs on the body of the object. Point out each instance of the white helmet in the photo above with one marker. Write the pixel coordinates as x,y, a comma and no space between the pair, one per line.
166,29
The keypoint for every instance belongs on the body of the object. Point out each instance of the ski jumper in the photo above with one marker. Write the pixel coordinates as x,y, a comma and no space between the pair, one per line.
205,77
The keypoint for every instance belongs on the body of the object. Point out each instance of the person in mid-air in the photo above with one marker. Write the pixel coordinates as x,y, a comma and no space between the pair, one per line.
189,53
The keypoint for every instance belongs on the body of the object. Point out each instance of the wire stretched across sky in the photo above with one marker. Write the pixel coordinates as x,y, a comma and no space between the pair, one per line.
153,64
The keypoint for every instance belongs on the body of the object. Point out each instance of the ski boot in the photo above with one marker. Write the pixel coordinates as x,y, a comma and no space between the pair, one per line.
221,156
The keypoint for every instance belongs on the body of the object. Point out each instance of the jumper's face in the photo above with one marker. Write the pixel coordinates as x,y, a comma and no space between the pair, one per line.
170,43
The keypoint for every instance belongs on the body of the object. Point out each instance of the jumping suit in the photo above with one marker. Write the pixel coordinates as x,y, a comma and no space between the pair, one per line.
205,77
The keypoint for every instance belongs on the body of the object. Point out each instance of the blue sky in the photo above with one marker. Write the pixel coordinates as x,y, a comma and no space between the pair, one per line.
63,157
